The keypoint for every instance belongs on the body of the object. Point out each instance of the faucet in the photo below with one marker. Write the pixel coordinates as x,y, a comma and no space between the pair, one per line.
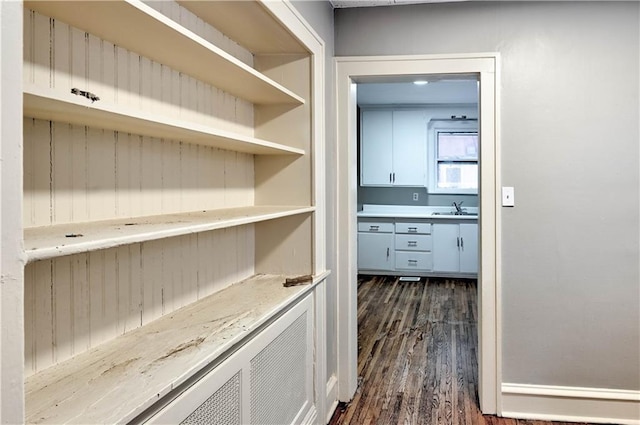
458,207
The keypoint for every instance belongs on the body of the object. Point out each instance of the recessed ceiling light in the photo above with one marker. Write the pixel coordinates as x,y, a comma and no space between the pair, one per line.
420,82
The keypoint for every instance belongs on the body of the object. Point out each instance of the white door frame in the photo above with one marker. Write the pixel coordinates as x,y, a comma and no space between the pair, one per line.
353,70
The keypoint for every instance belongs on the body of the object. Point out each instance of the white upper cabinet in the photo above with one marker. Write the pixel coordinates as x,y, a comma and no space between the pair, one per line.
393,148
376,153
409,148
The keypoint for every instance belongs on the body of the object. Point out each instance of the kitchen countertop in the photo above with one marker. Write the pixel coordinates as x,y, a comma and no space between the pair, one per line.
409,211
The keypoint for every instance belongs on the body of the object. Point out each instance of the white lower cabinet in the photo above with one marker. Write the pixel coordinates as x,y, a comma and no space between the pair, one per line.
456,247
413,247
468,248
267,381
376,245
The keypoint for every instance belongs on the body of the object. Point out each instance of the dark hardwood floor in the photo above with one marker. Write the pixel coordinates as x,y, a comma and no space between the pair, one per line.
417,358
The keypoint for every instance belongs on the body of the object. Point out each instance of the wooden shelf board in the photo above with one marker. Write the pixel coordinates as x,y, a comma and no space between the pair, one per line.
116,381
49,104
52,241
248,23
137,27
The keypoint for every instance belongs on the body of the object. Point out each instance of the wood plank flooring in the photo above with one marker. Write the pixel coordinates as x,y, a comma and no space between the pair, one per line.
417,355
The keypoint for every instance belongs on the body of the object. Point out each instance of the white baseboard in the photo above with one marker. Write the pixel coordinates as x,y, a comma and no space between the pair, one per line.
571,404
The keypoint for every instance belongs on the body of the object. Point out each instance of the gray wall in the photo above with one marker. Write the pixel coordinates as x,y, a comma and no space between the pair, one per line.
569,141
319,14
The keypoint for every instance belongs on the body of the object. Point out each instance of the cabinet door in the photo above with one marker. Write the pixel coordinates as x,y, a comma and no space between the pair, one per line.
375,251
409,148
446,254
469,247
376,149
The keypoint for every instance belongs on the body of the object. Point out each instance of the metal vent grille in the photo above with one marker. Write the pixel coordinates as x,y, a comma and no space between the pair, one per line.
222,408
278,377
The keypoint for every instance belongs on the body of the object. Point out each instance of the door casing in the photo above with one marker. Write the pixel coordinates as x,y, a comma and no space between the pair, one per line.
367,69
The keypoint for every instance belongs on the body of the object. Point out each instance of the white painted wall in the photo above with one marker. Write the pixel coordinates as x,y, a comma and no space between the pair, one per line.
569,131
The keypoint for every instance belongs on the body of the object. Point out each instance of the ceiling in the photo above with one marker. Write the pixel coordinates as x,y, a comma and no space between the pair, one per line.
435,92
339,4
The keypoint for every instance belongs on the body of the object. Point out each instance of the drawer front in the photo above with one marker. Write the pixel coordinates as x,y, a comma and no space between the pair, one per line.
413,260
408,227
413,242
375,227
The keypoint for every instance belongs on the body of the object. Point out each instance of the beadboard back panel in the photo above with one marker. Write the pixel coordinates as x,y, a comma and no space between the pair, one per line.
76,302
187,19
62,57
76,174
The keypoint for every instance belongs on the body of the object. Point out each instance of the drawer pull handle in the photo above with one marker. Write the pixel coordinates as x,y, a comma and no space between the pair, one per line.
413,229
412,263
374,228
412,243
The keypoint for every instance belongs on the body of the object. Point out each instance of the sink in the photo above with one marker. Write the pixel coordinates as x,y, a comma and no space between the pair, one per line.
454,213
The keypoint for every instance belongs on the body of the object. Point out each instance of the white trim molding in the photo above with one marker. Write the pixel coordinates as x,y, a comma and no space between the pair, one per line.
11,239
571,404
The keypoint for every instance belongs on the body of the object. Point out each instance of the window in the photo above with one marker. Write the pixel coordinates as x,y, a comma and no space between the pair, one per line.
453,155
456,160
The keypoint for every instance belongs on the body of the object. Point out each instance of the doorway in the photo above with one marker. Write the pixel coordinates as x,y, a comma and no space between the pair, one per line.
354,70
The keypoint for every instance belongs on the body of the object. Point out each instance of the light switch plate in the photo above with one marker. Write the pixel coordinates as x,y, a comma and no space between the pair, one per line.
508,196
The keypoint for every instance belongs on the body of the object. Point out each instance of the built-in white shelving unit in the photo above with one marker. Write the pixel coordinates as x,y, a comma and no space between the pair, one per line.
67,239
169,191
137,27
251,27
47,104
